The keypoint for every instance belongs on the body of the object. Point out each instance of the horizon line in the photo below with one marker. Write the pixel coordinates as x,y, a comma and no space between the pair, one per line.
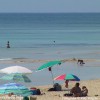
48,12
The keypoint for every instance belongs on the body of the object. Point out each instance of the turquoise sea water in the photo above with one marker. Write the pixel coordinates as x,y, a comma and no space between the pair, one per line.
28,30
32,35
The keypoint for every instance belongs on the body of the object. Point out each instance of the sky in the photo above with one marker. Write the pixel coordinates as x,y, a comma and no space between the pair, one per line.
49,6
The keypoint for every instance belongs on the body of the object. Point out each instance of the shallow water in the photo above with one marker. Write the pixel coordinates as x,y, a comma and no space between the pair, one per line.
32,36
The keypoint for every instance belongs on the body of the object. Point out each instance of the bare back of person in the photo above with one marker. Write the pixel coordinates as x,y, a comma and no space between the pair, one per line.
76,91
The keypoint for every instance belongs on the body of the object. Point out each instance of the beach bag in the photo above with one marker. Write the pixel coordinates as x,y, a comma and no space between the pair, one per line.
38,92
33,90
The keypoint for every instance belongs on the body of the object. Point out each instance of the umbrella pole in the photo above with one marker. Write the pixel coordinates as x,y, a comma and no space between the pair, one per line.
52,77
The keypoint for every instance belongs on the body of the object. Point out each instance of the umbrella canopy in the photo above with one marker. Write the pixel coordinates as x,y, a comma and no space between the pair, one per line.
15,88
69,77
49,64
16,77
15,69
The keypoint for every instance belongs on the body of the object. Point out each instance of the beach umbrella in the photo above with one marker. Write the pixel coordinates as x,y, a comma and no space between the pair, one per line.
16,69
49,65
19,77
15,88
69,77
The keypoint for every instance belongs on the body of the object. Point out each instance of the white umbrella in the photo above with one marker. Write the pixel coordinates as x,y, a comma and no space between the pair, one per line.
16,69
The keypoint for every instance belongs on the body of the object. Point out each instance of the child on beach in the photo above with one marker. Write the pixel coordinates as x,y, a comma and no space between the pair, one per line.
84,91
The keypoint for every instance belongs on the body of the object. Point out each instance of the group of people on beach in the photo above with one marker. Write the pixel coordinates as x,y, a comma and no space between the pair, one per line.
76,91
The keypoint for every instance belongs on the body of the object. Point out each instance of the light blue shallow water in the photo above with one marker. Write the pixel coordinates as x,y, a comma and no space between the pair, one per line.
76,35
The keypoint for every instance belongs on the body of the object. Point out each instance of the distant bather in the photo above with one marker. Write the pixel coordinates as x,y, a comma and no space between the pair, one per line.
8,45
81,62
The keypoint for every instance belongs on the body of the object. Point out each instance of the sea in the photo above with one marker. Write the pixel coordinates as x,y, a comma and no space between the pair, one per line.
51,36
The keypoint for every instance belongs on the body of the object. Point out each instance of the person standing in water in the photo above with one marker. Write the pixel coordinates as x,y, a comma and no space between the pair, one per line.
8,45
54,41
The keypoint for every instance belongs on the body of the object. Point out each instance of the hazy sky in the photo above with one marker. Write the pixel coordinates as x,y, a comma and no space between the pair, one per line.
49,5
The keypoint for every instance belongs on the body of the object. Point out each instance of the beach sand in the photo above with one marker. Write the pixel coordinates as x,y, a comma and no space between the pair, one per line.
92,85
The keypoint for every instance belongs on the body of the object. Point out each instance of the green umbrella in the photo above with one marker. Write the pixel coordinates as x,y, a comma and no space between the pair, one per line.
49,65
16,77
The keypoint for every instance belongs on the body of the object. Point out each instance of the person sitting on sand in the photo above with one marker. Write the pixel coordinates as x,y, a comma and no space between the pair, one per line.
56,87
84,91
76,90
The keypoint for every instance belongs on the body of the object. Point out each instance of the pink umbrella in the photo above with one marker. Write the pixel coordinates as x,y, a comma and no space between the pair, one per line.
61,77
69,77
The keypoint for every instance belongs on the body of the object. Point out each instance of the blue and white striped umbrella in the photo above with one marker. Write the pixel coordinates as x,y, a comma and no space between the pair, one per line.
15,88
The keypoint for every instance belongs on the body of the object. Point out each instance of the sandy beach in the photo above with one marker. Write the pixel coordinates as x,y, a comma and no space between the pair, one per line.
92,85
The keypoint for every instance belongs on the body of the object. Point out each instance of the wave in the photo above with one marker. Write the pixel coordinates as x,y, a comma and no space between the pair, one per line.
2,59
5,59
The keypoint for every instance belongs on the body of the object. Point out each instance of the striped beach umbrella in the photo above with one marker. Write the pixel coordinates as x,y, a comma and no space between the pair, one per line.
69,77
15,88
17,77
